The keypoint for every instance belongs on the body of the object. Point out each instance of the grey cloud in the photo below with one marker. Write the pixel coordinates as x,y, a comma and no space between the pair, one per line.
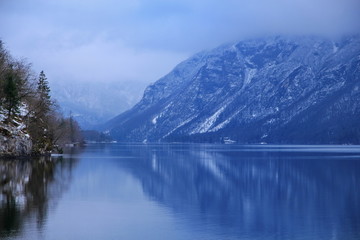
130,39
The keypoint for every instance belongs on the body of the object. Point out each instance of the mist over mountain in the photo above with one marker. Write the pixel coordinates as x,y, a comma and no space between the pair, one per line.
273,90
92,103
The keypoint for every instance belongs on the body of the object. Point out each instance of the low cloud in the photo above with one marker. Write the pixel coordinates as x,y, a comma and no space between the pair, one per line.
141,40
107,61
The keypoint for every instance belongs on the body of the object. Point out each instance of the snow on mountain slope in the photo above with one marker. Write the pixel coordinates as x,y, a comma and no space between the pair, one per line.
279,90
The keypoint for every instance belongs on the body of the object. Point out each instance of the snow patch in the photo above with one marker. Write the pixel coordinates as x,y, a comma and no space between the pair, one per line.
154,120
208,123
249,75
226,122
2,117
270,121
220,126
21,126
179,126
23,110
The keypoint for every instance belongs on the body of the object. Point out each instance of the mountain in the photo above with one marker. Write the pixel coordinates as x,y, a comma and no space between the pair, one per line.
291,90
86,101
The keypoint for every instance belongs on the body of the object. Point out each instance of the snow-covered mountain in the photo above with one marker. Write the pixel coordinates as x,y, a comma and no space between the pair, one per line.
94,103
274,90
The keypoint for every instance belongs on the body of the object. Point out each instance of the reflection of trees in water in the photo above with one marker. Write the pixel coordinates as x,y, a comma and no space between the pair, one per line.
29,188
264,193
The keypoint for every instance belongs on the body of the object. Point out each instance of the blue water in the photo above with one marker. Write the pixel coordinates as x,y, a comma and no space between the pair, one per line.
184,191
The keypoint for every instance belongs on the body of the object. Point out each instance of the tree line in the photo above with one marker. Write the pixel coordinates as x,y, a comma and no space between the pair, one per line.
25,99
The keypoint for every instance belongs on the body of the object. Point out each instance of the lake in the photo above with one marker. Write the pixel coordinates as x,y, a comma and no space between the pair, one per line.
184,191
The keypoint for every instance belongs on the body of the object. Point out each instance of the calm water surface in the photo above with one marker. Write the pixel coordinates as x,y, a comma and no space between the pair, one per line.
184,191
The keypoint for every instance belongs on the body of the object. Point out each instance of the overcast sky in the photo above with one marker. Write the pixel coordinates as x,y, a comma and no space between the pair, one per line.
142,40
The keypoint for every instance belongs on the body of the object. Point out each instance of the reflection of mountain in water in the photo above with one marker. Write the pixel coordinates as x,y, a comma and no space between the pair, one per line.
29,188
261,192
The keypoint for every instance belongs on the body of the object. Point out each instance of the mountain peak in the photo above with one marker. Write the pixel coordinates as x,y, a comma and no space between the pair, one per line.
259,90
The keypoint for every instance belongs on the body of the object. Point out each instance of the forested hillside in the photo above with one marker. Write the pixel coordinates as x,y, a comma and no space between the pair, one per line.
30,122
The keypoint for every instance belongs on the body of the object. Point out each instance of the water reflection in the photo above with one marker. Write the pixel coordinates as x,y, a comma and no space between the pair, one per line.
29,188
261,193
184,191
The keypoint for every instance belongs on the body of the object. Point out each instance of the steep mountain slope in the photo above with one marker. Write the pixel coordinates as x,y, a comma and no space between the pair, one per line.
275,90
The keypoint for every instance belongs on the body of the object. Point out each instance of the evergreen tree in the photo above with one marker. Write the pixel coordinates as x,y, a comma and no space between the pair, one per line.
3,72
12,101
44,93
40,124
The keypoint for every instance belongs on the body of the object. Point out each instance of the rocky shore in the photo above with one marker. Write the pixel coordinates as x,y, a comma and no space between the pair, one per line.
14,141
